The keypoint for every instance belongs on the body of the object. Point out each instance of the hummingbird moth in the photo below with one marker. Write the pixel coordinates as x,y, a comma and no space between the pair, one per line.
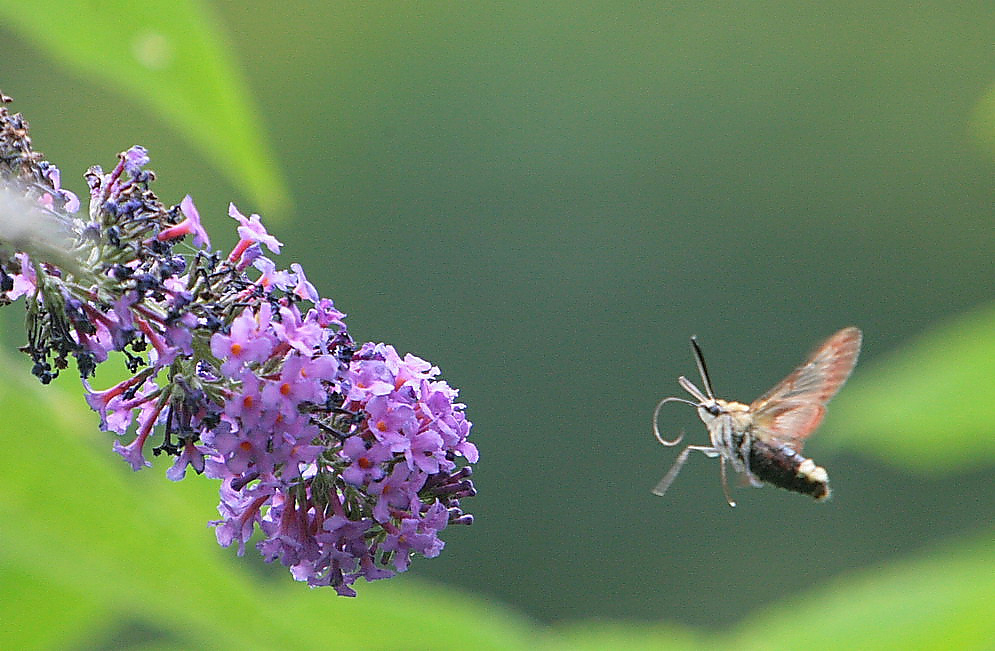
763,440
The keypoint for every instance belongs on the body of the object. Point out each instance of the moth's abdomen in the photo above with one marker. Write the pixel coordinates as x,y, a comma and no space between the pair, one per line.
779,465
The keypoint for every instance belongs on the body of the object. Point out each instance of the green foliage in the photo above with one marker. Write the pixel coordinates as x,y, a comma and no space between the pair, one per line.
176,61
928,406
939,601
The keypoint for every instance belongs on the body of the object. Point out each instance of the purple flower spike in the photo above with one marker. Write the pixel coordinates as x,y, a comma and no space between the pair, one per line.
345,461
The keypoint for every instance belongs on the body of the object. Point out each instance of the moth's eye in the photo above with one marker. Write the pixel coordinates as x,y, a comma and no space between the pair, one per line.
713,409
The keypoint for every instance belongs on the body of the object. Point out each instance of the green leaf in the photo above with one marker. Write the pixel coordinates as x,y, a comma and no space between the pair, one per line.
37,614
928,406
941,601
173,58
88,546
631,636
982,124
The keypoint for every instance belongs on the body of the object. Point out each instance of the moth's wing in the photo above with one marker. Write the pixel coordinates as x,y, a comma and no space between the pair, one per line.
795,406
788,422
822,374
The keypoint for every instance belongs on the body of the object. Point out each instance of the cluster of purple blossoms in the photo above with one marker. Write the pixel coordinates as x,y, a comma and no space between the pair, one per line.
348,459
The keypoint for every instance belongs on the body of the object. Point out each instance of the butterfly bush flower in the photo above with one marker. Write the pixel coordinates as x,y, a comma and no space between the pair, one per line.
345,460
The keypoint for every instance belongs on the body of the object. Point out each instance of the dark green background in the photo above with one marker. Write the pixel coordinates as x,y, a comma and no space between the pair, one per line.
546,201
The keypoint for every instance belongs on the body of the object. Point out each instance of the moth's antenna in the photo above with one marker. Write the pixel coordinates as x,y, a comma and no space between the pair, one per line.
699,359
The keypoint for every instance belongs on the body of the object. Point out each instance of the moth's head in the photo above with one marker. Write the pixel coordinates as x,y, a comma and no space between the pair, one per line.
711,409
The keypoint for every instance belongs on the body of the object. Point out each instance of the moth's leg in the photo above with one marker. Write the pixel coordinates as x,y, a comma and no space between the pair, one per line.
665,483
725,484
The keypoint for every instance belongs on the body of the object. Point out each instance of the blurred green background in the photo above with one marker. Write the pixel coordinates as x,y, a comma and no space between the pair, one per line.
546,200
